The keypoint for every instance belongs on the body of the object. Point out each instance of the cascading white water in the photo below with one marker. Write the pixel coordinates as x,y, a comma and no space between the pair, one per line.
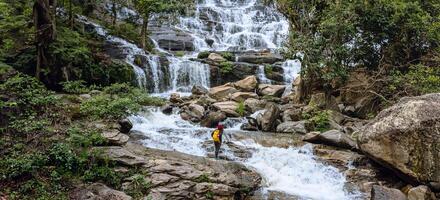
236,25
261,75
293,171
291,70
129,48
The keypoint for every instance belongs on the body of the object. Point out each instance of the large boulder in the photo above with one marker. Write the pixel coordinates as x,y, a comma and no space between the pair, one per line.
254,105
125,125
199,90
267,121
227,107
384,193
301,127
175,98
271,90
222,92
193,112
242,96
98,191
216,57
212,119
333,138
421,192
405,138
259,58
114,137
173,40
293,114
249,84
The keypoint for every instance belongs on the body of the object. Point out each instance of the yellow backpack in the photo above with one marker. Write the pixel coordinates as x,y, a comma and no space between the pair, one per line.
216,136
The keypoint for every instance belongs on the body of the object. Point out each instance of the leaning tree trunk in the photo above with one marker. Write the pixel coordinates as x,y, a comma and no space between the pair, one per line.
44,33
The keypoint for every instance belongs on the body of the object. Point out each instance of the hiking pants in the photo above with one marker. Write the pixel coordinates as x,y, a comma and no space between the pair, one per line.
217,148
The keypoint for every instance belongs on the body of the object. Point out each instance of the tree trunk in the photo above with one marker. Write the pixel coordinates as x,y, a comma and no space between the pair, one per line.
44,33
54,18
144,32
70,14
114,13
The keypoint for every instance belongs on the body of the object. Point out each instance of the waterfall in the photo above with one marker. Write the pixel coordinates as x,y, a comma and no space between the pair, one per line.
130,49
291,70
261,75
236,25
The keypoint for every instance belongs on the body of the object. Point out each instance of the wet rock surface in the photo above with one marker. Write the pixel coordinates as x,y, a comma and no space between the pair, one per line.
180,176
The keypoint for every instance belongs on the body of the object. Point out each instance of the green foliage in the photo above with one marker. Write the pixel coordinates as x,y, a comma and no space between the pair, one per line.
139,186
335,36
28,105
226,67
125,30
204,178
102,172
179,53
418,80
268,69
14,29
319,118
116,101
19,165
241,109
228,56
75,87
84,138
203,55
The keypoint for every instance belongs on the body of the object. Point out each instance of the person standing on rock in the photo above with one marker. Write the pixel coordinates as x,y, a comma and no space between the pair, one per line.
217,137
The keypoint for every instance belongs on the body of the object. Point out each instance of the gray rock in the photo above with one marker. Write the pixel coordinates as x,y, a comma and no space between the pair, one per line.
114,137
199,90
271,90
259,58
248,84
421,192
333,138
300,127
267,121
292,115
405,138
253,105
227,107
221,92
98,191
125,125
216,57
175,98
212,119
167,109
384,193
172,40
242,96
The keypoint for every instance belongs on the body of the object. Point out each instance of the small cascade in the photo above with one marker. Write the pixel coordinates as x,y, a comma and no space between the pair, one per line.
185,73
154,63
291,69
261,75
130,49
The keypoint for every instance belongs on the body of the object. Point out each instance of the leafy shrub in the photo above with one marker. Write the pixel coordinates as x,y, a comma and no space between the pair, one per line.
139,186
75,87
320,120
62,155
241,108
226,67
228,56
84,138
16,166
102,172
418,80
28,106
203,55
116,101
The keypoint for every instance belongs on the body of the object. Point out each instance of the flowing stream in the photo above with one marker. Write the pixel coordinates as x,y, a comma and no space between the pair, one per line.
294,171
